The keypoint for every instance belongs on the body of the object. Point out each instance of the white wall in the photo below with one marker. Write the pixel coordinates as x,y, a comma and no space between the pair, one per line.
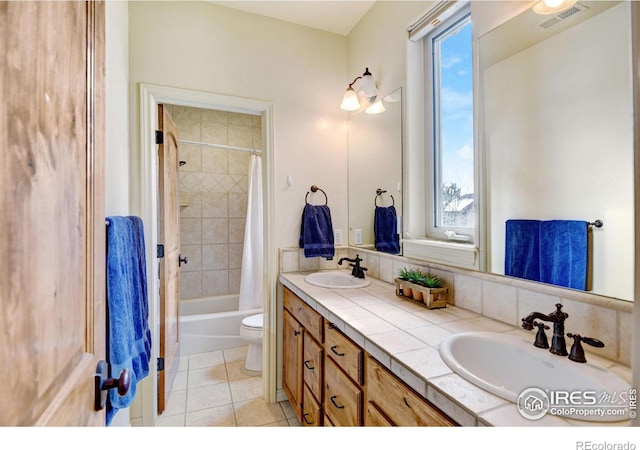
117,104
206,47
117,124
379,42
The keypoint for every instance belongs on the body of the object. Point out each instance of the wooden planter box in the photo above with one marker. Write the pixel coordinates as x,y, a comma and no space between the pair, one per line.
432,298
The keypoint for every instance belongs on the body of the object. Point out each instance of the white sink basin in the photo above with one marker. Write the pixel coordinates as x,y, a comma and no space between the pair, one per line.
336,280
507,365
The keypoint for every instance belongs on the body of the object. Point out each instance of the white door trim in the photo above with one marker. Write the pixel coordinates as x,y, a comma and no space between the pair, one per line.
144,200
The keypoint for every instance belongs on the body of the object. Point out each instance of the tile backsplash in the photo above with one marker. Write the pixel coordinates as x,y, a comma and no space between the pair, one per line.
497,297
213,185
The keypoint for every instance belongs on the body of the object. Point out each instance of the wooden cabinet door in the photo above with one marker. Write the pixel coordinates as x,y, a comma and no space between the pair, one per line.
292,340
52,219
169,237
311,409
342,397
398,401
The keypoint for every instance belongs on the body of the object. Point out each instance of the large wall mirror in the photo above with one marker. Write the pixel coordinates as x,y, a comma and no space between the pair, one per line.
557,132
375,166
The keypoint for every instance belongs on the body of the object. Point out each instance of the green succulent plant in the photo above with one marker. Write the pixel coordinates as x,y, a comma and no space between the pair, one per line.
404,274
431,281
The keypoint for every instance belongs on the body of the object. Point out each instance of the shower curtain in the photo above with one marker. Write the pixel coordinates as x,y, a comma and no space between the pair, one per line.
251,278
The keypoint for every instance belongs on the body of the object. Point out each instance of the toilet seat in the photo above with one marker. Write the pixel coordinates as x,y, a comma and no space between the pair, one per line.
256,321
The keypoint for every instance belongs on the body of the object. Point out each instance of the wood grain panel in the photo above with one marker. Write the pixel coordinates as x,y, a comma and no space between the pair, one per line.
52,231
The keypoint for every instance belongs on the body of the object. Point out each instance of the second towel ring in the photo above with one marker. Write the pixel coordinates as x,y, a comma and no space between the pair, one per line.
379,192
315,188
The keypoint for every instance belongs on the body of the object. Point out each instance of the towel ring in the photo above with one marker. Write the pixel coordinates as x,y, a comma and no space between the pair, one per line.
315,188
379,192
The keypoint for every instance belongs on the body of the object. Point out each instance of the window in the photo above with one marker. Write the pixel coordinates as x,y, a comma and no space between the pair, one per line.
449,128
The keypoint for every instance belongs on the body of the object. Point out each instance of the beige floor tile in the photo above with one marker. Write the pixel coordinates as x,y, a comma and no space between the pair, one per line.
221,416
256,412
209,359
177,402
208,396
235,354
207,375
180,382
246,389
171,421
287,409
236,371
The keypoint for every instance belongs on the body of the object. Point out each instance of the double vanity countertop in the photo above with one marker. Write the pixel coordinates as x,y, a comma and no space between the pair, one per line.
405,336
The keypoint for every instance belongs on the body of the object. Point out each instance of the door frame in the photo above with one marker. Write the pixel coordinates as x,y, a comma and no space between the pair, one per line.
145,202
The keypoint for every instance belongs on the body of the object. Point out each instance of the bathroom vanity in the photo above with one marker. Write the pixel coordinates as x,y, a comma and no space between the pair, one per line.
366,357
332,381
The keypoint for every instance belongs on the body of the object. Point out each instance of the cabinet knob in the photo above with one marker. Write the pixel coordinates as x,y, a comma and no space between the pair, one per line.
296,332
333,349
304,417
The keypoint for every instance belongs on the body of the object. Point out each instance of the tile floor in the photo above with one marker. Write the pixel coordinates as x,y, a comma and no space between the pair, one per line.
215,390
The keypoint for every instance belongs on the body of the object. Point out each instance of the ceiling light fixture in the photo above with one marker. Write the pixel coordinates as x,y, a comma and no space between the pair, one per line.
552,6
366,89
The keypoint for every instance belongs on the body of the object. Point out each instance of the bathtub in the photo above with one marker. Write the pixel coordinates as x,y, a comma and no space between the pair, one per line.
211,323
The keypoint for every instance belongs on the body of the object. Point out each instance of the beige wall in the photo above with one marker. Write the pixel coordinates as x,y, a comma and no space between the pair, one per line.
302,71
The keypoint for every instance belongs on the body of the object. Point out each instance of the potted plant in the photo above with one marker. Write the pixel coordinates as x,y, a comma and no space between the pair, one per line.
434,294
424,288
404,289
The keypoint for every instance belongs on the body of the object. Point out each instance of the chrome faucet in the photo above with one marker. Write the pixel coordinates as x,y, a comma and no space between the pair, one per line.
357,271
558,343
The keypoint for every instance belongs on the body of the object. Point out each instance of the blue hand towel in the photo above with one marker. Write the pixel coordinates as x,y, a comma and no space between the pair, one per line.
316,231
385,230
564,253
128,345
521,256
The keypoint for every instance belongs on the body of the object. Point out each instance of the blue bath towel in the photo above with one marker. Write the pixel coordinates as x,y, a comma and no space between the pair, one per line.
316,231
385,229
128,338
522,249
564,253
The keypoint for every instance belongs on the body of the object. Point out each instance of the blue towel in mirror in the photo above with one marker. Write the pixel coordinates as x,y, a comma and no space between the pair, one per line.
564,253
316,232
522,249
385,229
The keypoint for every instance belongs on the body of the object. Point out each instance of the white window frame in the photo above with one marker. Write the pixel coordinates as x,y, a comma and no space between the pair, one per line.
432,179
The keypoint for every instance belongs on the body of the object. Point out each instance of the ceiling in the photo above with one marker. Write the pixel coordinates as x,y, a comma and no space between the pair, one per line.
333,16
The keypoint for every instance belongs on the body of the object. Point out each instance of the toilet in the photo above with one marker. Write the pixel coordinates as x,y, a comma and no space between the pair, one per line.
251,331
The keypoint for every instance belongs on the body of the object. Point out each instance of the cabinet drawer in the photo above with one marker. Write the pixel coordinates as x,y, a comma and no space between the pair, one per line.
373,417
312,368
348,355
399,402
310,319
311,409
342,397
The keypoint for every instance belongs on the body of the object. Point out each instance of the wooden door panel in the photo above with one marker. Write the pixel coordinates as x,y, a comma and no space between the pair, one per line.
169,236
52,229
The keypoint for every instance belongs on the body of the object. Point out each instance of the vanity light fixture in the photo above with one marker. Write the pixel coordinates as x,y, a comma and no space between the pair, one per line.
552,6
367,89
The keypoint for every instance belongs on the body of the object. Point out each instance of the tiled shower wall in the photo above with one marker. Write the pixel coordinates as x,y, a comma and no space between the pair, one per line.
213,197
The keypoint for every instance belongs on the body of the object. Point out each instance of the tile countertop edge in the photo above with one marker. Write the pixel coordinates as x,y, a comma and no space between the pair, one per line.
449,391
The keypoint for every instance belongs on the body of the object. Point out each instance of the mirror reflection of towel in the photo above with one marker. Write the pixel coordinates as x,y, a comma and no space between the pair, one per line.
522,249
385,230
551,251
563,253
316,232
